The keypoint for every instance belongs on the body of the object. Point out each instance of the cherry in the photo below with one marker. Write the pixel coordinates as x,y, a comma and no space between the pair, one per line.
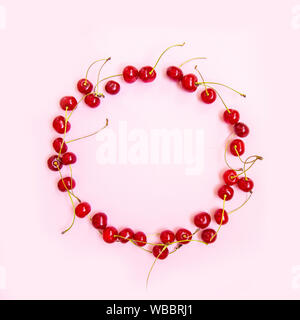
69,102
147,74
92,100
218,216
160,252
202,220
230,177
241,129
126,233
82,209
245,184
226,190
167,236
66,184
59,124
130,74
174,73
140,238
99,220
60,146
183,234
231,117
84,86
208,96
68,158
112,87
109,234
53,162
209,235
188,82
237,147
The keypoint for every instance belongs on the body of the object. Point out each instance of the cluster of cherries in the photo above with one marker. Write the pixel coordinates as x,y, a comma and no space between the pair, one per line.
99,220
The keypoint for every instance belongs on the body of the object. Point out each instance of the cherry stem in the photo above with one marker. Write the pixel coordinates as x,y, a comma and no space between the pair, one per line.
65,131
89,135
191,60
115,75
220,98
241,204
220,84
90,68
98,76
175,45
202,80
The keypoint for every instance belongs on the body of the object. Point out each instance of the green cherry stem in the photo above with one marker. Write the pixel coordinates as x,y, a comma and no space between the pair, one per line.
191,60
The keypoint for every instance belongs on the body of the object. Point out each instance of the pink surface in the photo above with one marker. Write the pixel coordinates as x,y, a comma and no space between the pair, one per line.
46,47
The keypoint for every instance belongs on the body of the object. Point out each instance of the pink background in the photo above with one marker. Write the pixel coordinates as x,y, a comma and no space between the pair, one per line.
46,47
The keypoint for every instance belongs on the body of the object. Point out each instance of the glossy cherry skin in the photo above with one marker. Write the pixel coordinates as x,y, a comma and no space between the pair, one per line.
112,87
92,101
174,73
82,209
241,129
66,184
126,233
145,75
207,235
69,102
188,82
183,234
167,236
130,74
109,234
60,146
69,158
230,177
218,216
245,185
231,117
140,238
53,162
226,190
59,124
208,97
160,252
202,220
99,220
237,147
84,86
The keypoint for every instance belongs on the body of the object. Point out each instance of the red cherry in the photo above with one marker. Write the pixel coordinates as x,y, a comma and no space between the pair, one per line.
99,220
126,233
207,235
84,86
112,87
160,252
202,220
59,124
237,147
183,234
232,118
174,73
241,129
130,74
226,190
218,216
188,82
92,100
60,146
245,184
68,158
208,97
53,162
167,236
140,238
69,102
230,177
145,75
66,184
82,209
109,234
